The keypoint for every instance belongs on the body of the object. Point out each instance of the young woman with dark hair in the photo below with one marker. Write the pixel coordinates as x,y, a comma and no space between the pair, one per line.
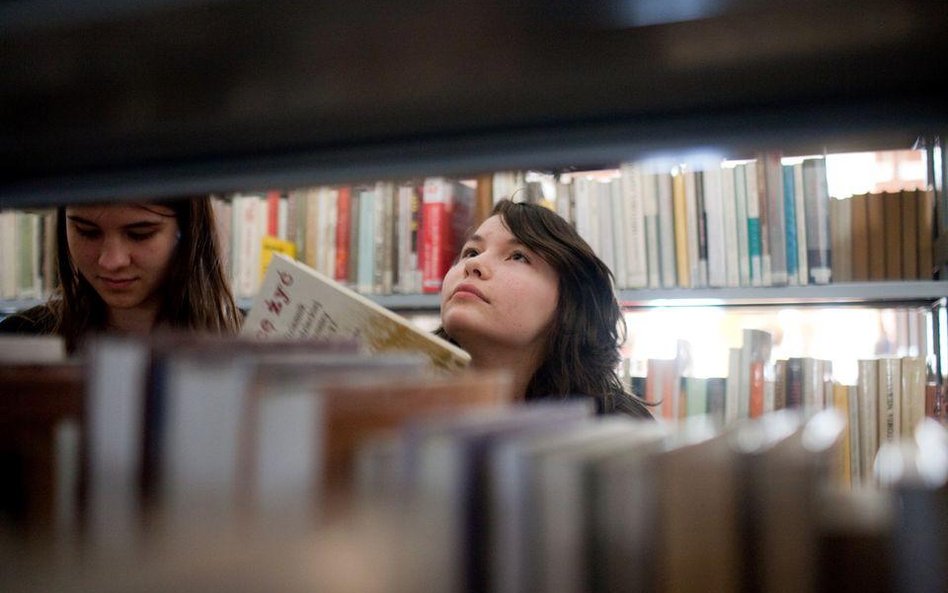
132,267
529,295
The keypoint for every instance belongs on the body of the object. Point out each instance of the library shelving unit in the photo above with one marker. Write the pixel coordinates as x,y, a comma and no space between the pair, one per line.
106,99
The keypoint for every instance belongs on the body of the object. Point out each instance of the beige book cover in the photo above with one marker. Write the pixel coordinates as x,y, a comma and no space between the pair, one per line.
297,302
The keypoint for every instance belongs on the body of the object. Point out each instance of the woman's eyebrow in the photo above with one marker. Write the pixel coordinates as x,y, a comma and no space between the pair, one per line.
80,220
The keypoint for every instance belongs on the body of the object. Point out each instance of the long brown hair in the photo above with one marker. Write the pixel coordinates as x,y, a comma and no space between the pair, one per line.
582,350
196,295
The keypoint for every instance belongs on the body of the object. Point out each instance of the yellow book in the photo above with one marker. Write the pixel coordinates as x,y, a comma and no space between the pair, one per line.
681,229
271,245
841,403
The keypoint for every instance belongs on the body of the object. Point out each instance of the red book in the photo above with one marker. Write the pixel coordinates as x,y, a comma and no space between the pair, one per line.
435,233
343,228
755,406
273,213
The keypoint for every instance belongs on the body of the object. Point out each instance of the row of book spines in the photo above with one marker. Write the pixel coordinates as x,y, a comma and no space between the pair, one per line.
883,236
747,224
890,398
737,224
378,239
806,383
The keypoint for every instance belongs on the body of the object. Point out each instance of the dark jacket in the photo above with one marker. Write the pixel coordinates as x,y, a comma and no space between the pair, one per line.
38,320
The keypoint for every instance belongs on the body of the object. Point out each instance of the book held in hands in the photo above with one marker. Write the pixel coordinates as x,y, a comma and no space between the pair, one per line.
298,302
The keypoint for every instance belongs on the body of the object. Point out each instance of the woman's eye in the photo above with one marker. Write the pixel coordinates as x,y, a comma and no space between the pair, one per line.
468,252
87,233
519,256
141,236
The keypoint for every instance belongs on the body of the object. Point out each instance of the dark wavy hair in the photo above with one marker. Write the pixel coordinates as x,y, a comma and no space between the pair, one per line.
197,294
581,356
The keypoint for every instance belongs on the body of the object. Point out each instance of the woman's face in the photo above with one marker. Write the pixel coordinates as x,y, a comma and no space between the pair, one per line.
124,251
499,293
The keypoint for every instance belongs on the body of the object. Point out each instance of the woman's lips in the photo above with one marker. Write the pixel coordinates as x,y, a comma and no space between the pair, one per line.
467,289
117,282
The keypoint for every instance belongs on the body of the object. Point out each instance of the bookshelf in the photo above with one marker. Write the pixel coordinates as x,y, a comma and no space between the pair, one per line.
193,103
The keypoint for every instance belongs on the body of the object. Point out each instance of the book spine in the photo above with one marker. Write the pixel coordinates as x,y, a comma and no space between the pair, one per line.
790,221
311,251
343,230
666,230
910,251
776,219
680,213
816,203
732,236
650,213
799,201
436,228
875,235
892,223
926,214
859,235
716,227
693,233
890,382
365,272
912,394
752,206
867,388
794,380
702,228
636,244
622,232
328,222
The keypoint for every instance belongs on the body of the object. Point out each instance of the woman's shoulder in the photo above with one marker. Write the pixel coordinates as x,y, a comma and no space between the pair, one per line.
35,320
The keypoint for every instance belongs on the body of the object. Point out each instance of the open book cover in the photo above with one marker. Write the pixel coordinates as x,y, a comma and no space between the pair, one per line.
297,302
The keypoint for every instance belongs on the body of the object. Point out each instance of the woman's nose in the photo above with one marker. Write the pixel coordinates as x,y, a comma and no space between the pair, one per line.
114,254
475,266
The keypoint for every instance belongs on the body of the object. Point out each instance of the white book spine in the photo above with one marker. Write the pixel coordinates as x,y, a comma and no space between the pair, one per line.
732,254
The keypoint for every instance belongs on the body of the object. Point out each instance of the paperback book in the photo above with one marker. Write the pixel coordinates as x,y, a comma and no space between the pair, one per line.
297,302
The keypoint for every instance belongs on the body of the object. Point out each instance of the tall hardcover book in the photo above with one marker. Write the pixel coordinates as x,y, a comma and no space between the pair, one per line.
682,244
716,227
912,394
248,225
890,400
841,240
7,254
697,247
776,216
819,255
867,392
755,225
909,201
634,250
732,235
892,226
652,240
367,238
875,235
343,233
447,208
859,230
666,230
926,212
799,206
790,223
297,302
